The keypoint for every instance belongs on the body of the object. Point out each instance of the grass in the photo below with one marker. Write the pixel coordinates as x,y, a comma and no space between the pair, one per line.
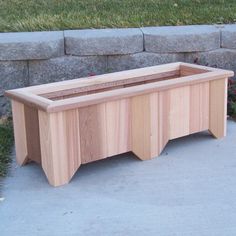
6,143
32,15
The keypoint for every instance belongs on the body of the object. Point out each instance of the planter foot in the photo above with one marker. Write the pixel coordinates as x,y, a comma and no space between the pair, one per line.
149,128
60,146
19,132
218,108
26,133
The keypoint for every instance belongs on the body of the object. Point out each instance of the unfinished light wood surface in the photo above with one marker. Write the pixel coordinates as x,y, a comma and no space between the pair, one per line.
19,132
63,125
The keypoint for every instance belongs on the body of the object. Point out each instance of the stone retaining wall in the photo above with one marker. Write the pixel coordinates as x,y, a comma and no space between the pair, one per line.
41,57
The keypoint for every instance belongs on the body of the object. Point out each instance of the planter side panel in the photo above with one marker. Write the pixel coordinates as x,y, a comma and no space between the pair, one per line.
189,110
179,114
104,130
118,127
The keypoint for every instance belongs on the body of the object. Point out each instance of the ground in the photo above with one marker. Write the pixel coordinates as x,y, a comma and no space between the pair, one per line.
32,15
188,190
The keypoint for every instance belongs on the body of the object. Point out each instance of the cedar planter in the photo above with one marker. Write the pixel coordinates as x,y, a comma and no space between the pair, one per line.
63,125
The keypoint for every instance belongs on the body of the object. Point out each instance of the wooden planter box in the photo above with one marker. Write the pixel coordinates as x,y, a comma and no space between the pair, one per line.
63,125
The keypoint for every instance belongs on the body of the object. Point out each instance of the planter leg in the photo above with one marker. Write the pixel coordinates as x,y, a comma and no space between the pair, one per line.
60,145
145,126
19,132
218,107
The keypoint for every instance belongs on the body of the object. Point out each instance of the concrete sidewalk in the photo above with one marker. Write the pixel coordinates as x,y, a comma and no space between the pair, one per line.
189,190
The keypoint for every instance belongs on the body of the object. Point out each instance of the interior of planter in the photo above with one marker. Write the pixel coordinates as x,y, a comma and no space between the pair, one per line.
118,84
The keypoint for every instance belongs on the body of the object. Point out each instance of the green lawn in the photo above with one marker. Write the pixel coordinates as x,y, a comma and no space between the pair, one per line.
30,15
6,143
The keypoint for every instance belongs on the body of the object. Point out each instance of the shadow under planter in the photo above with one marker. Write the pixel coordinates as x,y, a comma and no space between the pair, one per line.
65,124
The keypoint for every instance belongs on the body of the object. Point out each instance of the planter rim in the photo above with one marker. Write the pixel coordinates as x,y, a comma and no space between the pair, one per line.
32,96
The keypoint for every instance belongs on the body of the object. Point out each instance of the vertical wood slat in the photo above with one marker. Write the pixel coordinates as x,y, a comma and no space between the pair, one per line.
189,110
218,107
179,113
19,132
144,121
72,132
199,107
118,127
164,126
60,147
32,133
93,132
105,130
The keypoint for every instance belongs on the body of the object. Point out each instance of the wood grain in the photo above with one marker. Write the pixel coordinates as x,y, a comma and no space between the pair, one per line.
186,70
164,124
218,107
60,146
118,127
110,85
199,107
114,78
93,133
145,126
32,133
18,113
179,113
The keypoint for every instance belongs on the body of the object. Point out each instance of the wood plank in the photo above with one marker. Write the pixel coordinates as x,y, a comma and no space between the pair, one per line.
92,89
118,127
190,70
218,107
105,78
72,139
32,133
27,96
116,76
60,149
127,74
30,99
144,120
19,132
154,121
47,158
93,132
199,107
164,108
127,92
179,112
110,85
207,68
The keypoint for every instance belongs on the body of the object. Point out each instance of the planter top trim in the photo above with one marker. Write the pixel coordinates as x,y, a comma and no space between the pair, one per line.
75,93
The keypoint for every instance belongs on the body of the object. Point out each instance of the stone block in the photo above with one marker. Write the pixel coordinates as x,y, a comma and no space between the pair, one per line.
5,106
170,39
13,74
228,36
64,68
103,41
31,45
